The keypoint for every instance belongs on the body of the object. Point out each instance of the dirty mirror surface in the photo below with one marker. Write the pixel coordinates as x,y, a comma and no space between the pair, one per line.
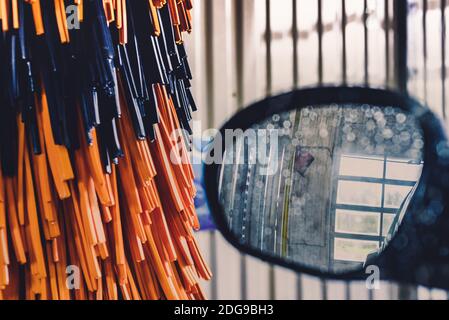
326,187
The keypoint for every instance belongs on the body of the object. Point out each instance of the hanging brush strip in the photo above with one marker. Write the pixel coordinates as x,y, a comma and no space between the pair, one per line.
87,175
109,10
4,14
4,252
80,8
61,20
37,16
15,14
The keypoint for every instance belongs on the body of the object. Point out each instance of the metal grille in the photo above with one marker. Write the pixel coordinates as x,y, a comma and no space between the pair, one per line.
244,50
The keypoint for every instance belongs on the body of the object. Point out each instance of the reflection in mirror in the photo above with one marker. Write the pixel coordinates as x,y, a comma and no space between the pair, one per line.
326,187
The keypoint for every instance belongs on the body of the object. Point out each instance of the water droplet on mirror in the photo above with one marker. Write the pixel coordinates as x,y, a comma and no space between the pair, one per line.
401,118
285,132
418,144
382,123
295,142
371,125
388,134
389,111
347,128
378,116
379,138
364,141
351,137
405,137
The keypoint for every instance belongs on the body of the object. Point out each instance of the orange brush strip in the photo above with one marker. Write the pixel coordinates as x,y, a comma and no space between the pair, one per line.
4,14
80,4
155,19
20,172
15,14
95,169
58,156
4,255
123,21
109,10
61,21
37,16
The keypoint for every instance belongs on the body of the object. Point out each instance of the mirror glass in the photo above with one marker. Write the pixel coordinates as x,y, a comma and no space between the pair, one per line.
324,186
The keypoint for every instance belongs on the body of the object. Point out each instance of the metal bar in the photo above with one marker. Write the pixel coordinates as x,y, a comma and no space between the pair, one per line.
272,283
209,33
239,27
383,199
379,181
213,265
334,193
320,41
299,289
401,78
209,57
243,278
344,23
401,37
366,41
365,209
425,50
295,37
269,89
370,294
324,293
354,236
443,55
387,41
347,290
268,40
407,292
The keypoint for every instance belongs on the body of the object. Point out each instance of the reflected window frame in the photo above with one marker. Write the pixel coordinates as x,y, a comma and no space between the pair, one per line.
383,210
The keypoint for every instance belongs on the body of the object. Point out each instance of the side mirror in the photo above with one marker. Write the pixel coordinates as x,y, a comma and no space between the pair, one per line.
333,181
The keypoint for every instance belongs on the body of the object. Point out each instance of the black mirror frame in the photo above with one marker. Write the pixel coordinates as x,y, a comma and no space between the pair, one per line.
434,135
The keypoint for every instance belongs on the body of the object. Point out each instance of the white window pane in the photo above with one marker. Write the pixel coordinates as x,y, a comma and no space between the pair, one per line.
360,167
357,222
353,250
388,220
395,195
403,171
359,193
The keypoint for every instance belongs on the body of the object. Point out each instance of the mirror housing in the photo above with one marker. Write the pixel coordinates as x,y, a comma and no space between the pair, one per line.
419,252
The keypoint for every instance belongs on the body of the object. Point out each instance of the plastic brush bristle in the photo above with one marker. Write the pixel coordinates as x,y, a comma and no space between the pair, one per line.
92,205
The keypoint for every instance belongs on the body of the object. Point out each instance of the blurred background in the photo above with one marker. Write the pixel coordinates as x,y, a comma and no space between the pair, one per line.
244,50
